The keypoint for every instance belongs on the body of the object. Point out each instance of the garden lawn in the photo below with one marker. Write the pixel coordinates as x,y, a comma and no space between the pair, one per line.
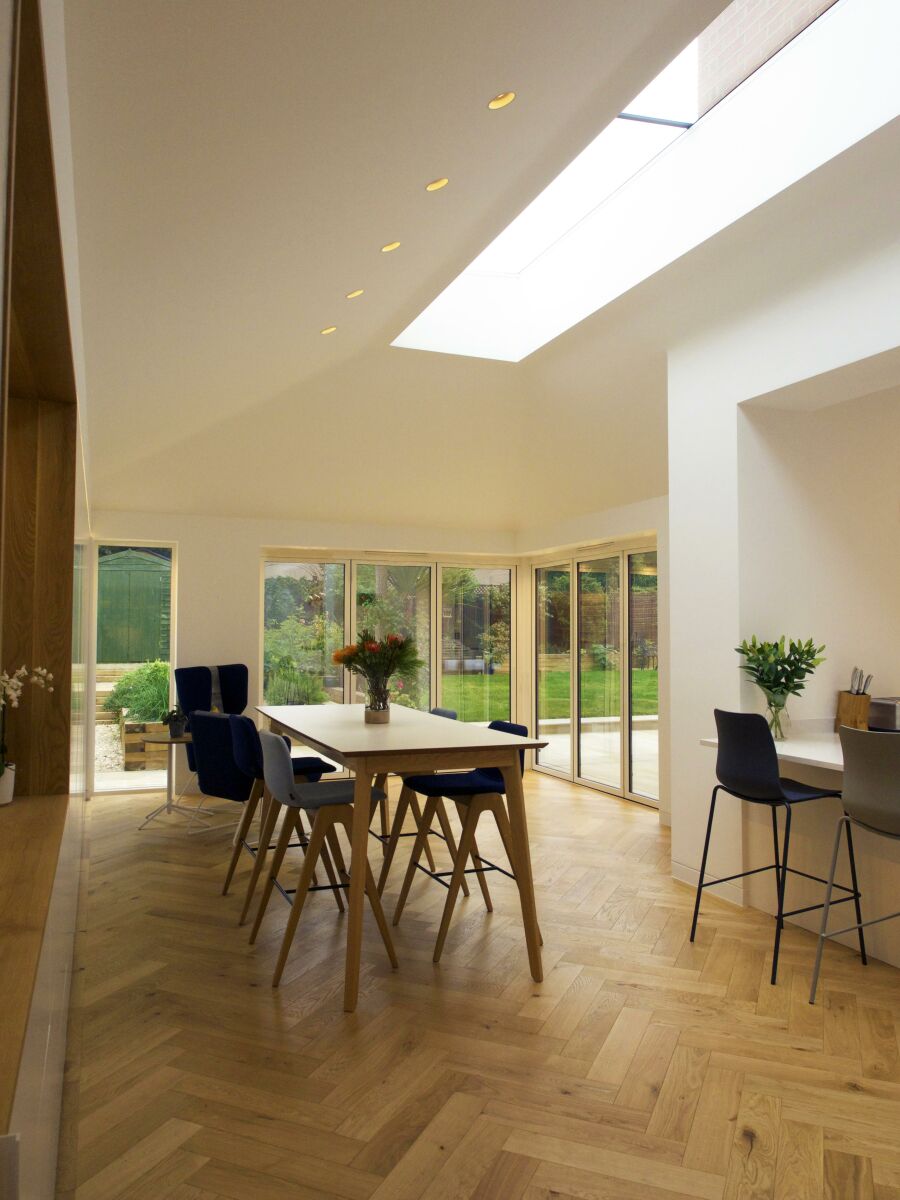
486,697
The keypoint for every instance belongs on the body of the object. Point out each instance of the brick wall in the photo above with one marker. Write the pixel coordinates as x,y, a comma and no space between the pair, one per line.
744,36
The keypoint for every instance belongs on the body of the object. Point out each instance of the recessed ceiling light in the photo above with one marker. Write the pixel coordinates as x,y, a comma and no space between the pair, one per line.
389,247
330,329
501,100
436,185
353,295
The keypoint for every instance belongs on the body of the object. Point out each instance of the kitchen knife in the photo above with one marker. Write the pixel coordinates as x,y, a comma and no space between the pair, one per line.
867,685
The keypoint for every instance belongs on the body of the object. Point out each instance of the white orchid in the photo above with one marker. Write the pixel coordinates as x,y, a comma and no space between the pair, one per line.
11,687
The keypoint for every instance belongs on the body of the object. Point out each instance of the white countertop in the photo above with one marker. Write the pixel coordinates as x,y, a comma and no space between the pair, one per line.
809,748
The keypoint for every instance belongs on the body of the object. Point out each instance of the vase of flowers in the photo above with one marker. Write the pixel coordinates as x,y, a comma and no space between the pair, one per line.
779,669
11,687
378,660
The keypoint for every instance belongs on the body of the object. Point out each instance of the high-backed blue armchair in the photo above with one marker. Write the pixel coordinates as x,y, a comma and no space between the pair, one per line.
200,690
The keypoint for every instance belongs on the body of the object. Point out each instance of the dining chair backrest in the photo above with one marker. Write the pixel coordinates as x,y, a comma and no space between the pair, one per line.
198,690
871,788
217,772
747,761
277,769
449,713
246,744
494,773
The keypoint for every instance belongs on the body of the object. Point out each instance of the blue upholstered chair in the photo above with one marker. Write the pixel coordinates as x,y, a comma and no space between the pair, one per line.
198,690
747,768
218,775
327,805
248,756
473,792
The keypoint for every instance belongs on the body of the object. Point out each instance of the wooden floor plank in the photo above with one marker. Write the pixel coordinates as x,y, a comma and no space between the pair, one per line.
643,1068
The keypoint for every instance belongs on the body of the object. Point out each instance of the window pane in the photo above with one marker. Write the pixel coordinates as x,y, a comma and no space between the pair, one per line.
304,625
644,674
554,691
134,613
475,642
395,598
599,672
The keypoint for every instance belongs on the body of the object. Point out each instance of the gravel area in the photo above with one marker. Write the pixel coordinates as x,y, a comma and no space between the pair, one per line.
107,748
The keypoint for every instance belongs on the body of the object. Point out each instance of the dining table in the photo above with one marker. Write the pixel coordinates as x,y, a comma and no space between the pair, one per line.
410,743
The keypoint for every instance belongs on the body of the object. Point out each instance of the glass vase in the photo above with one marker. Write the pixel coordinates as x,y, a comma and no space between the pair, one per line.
378,705
778,718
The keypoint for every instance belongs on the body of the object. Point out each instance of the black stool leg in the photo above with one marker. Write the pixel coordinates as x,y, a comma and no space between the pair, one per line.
782,880
856,903
774,811
709,825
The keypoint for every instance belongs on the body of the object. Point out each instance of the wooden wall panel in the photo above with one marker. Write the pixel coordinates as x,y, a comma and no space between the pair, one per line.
37,490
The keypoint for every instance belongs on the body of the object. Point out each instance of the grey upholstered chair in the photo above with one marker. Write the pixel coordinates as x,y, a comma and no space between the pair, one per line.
326,805
871,796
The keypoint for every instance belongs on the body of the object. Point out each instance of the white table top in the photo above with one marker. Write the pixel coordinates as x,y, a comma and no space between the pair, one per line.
806,748
341,728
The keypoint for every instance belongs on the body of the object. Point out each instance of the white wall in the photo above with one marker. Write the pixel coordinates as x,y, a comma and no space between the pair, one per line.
820,557
717,542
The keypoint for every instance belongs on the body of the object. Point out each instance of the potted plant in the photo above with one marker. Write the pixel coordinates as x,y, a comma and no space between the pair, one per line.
176,721
780,669
11,688
377,661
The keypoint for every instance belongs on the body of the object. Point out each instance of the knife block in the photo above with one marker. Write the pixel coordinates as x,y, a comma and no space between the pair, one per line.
852,710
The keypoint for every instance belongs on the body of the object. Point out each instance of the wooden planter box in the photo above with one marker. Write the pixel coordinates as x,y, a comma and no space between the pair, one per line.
139,755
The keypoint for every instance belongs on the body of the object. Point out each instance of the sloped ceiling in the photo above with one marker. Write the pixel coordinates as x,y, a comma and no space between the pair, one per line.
238,166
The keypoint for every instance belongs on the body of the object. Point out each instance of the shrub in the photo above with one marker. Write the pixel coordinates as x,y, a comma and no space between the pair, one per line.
289,685
605,658
143,692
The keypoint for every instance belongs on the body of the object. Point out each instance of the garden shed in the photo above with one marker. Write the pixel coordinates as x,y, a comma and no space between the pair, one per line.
133,604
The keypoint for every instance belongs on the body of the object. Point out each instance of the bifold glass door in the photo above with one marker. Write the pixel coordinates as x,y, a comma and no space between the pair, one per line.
304,622
596,671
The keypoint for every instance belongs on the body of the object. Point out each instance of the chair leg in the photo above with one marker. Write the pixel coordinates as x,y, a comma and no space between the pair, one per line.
466,841
709,825
782,881
856,902
330,872
482,879
323,820
243,825
447,830
845,820
774,811
270,810
394,837
337,853
417,816
418,846
288,825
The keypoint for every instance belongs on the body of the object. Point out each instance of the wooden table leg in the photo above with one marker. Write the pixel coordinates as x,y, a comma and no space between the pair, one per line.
362,815
515,799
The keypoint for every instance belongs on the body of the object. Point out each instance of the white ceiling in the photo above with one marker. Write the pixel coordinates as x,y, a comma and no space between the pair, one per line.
239,164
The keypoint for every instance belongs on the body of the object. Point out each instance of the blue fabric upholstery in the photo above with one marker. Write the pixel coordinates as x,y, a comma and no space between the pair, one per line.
484,780
217,772
449,713
193,686
248,752
747,763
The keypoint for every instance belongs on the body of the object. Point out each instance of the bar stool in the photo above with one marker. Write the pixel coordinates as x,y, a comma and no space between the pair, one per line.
247,752
747,768
409,802
474,792
872,801
327,805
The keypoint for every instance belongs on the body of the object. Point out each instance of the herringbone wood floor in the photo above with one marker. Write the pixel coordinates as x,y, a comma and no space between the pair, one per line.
643,1068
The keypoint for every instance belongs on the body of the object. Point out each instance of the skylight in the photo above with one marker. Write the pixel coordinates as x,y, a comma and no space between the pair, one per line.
657,182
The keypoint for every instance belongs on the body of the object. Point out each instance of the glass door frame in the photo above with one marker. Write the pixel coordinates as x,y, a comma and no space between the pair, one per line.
352,560
570,561
438,638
